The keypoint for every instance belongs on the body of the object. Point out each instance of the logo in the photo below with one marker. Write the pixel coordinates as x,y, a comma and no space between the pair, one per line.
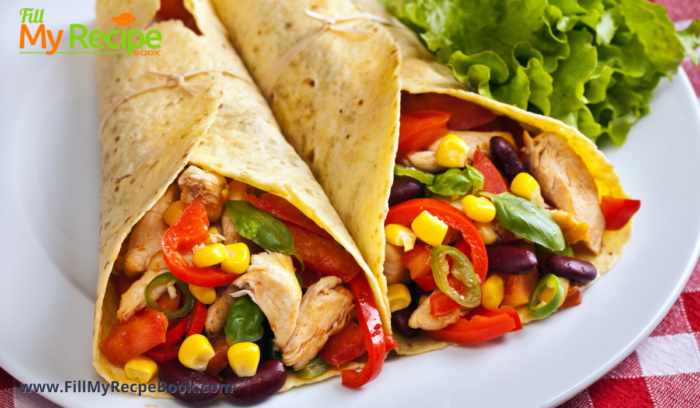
82,41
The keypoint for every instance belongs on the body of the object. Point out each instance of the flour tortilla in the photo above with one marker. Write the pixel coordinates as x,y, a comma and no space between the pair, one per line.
148,140
338,105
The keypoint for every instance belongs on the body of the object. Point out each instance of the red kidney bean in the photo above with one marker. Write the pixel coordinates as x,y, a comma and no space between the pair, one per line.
399,320
269,379
404,188
510,260
506,158
572,268
188,385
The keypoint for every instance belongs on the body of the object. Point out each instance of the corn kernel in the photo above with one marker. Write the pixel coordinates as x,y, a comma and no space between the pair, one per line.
525,186
173,212
399,297
400,236
492,292
452,152
204,295
244,358
141,369
478,208
210,255
238,258
429,229
488,235
195,352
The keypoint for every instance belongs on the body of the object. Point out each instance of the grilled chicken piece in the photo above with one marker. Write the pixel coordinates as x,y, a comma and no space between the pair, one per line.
566,182
207,186
218,311
147,234
236,191
476,140
574,230
134,299
424,161
325,309
271,279
394,270
422,319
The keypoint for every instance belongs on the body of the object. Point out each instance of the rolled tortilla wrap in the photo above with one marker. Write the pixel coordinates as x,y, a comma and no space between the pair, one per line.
148,140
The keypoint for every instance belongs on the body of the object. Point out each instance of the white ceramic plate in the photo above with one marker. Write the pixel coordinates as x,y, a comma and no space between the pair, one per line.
49,211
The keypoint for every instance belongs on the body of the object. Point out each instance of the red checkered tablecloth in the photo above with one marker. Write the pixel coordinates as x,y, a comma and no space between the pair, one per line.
664,371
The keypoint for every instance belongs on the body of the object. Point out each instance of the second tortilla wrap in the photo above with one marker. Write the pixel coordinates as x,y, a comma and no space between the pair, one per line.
338,104
148,140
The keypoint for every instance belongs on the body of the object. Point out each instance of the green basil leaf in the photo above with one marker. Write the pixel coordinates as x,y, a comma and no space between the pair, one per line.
454,181
450,183
244,321
261,228
423,177
527,219
299,279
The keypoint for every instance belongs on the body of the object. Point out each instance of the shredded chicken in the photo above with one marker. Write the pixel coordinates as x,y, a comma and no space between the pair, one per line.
218,311
574,230
271,279
474,140
207,186
325,309
147,234
424,161
566,182
422,319
134,299
236,191
394,270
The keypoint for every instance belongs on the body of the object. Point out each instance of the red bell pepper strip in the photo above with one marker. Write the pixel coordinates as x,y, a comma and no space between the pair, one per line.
618,211
482,311
344,346
197,317
176,329
220,359
160,354
465,115
166,303
175,10
474,330
135,336
573,297
390,342
417,261
441,304
371,324
494,182
406,212
286,211
418,130
190,229
322,255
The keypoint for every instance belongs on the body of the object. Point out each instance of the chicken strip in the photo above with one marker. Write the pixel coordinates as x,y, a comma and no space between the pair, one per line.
423,161
208,186
325,309
218,311
147,234
275,288
236,191
480,140
134,299
422,319
566,183
394,270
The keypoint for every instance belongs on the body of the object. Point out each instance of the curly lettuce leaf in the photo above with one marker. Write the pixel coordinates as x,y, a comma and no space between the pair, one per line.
590,63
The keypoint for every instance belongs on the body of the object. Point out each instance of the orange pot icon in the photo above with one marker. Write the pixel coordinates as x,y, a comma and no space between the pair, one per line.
125,19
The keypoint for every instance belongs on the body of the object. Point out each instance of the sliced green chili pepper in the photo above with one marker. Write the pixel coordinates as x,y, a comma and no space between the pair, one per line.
244,321
163,279
316,367
462,269
541,309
